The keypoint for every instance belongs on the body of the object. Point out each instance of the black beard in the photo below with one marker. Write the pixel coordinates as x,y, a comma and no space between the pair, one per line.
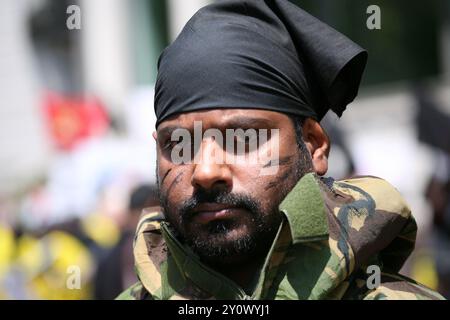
214,250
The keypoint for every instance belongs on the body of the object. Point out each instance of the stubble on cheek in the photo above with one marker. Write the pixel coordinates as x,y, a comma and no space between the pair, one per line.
291,171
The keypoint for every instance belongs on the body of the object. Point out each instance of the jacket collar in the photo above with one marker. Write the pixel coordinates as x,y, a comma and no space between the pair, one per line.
305,210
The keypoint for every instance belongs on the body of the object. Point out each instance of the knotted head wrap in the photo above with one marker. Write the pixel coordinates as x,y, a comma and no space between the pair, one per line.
259,54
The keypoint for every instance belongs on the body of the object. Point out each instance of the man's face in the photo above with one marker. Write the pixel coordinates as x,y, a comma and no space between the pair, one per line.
225,210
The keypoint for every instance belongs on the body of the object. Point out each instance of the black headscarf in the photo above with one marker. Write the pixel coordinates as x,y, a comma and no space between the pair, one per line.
259,54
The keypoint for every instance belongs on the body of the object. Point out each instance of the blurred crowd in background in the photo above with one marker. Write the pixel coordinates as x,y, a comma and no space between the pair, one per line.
77,157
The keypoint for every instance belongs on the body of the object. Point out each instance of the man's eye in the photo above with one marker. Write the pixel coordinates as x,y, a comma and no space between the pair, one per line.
245,144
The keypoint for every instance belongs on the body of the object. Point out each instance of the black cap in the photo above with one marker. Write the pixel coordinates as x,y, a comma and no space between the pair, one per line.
259,54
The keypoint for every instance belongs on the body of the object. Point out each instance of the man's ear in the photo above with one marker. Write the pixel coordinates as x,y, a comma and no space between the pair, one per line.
318,144
155,135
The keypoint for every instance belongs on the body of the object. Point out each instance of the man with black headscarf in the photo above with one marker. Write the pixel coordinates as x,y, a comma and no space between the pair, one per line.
251,217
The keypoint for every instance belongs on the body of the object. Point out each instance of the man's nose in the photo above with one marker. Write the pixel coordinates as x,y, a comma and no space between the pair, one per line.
210,170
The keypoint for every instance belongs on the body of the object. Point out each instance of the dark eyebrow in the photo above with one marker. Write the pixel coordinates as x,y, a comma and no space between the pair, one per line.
233,123
247,122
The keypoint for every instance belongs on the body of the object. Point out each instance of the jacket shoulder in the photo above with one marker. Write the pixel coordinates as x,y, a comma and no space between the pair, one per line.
385,196
135,292
398,287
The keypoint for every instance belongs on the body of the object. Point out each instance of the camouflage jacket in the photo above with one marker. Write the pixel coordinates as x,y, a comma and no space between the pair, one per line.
332,232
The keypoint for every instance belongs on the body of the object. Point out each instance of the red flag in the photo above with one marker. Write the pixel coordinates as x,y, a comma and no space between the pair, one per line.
74,119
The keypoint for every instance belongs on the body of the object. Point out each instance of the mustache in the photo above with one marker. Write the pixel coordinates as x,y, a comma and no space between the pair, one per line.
238,200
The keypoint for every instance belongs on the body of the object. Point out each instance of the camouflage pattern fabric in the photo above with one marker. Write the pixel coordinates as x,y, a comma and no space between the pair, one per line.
331,232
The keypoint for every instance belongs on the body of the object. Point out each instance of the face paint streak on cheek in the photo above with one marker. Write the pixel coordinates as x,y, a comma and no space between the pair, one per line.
165,175
282,162
286,160
174,182
278,181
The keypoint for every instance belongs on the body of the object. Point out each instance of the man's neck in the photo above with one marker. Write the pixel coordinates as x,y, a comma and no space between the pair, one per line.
242,274
246,268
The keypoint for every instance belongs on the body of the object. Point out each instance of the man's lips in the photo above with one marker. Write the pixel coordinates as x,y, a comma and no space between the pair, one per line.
205,213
